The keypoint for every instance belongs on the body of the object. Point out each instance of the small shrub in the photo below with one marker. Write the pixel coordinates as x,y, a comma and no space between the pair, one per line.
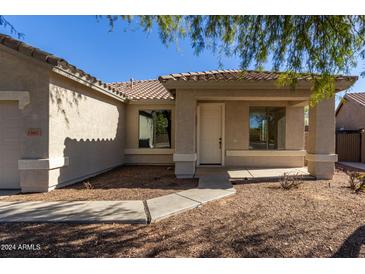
361,185
353,179
288,181
356,181
88,185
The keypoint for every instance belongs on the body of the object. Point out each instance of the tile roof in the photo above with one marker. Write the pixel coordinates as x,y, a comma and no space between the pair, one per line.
358,97
57,62
236,75
143,89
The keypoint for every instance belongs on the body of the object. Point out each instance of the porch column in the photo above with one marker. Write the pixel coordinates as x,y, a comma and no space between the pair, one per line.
185,134
321,140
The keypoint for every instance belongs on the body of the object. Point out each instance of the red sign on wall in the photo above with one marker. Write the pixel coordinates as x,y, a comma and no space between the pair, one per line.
34,132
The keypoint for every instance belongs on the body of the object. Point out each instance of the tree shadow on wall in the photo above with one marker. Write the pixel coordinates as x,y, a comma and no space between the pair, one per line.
59,97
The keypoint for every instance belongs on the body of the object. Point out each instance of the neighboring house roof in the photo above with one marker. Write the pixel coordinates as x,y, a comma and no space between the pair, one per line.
237,75
57,62
358,97
143,89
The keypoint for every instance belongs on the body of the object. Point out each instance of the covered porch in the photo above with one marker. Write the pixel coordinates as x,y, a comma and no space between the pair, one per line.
250,123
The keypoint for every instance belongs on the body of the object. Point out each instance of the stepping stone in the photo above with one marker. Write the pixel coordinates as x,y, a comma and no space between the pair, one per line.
168,205
74,212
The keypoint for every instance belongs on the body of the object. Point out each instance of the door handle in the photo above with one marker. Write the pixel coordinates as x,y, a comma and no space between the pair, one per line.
220,143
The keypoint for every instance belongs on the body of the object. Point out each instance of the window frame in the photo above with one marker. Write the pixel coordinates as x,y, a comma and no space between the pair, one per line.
146,109
266,115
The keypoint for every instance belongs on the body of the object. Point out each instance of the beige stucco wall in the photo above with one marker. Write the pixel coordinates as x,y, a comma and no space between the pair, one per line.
351,116
22,73
132,126
237,103
86,127
237,124
237,134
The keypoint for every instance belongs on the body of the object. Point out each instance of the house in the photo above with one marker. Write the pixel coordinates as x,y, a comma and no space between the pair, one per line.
350,128
350,112
59,125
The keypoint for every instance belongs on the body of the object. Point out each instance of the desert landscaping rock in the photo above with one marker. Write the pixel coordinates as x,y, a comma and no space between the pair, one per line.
210,188
111,211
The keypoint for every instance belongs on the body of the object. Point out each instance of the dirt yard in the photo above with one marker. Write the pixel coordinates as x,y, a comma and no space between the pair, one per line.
123,183
319,219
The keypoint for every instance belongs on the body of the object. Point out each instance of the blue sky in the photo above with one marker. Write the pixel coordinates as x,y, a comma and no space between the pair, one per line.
122,54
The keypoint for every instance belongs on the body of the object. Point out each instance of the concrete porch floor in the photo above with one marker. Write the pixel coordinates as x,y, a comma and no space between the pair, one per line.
251,174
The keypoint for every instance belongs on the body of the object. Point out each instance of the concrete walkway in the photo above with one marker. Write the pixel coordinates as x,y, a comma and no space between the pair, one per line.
73,212
210,188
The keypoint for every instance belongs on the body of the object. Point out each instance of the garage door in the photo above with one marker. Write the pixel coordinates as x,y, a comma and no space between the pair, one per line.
10,132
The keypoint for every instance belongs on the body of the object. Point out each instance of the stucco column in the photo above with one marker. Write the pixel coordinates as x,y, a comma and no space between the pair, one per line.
321,140
185,134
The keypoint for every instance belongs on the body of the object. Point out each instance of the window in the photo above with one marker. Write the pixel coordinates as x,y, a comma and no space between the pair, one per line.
267,128
154,129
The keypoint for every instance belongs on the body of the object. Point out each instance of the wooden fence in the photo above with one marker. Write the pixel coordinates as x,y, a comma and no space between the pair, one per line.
350,146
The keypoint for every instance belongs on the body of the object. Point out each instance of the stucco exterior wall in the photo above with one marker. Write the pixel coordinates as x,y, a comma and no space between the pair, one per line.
135,155
86,127
350,116
21,73
237,134
237,103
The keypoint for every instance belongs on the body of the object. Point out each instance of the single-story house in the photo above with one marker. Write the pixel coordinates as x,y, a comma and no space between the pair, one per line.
350,112
60,125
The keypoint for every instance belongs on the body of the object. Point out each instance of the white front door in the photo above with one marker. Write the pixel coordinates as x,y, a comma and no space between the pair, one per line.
210,134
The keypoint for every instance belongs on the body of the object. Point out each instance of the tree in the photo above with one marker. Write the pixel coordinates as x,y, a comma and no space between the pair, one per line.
6,24
322,46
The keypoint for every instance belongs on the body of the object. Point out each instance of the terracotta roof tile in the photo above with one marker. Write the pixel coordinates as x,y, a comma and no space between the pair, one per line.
143,89
147,89
55,61
358,97
228,75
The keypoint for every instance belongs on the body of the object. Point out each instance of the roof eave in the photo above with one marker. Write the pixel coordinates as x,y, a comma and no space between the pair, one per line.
344,84
171,83
84,81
